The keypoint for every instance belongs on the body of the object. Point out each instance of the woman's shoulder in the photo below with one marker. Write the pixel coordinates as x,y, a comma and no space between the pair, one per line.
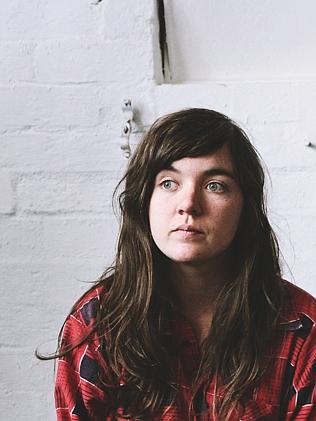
298,302
86,308
299,315
83,317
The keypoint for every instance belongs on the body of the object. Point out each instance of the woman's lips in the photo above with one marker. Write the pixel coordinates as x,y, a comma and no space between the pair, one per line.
187,231
188,234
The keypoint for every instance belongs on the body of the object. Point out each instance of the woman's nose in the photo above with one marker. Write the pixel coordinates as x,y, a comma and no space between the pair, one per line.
190,202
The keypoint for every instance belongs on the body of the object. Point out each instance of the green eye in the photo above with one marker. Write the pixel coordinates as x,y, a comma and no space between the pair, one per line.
216,187
167,184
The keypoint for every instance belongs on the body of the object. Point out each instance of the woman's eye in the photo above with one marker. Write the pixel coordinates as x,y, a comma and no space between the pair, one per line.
216,187
168,184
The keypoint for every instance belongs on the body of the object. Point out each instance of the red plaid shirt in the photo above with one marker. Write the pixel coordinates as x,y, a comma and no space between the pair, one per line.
286,393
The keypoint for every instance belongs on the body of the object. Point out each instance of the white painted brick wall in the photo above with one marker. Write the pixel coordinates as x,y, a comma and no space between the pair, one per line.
16,61
65,67
7,195
66,192
50,107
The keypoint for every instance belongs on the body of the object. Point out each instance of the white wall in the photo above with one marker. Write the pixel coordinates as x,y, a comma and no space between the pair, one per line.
65,67
246,40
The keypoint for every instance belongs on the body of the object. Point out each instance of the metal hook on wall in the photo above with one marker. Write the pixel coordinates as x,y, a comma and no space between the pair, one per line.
131,126
127,127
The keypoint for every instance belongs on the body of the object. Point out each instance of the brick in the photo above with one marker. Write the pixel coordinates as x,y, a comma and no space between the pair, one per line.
173,97
83,62
66,151
298,245
15,402
280,101
45,20
23,362
66,193
27,289
50,107
79,238
16,61
293,191
132,21
27,239
272,101
20,238
282,144
7,195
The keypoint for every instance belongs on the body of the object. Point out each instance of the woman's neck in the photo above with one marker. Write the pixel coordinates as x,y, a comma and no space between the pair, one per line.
196,288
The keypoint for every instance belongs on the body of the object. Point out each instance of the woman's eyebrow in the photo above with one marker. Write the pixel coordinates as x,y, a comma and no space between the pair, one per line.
209,172
220,171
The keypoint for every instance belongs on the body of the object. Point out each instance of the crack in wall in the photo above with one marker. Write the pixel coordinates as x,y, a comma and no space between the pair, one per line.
163,37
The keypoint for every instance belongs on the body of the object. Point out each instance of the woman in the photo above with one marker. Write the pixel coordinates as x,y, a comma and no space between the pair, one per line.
193,321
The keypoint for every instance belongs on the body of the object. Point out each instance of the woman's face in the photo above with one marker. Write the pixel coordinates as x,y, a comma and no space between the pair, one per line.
195,208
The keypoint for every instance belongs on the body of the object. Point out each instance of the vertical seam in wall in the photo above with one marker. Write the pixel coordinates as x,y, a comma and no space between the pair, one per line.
163,37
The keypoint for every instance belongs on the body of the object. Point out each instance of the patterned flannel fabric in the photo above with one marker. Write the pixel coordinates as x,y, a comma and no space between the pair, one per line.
286,393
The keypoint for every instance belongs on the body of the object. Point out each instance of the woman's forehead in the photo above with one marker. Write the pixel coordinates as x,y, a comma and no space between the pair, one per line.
220,159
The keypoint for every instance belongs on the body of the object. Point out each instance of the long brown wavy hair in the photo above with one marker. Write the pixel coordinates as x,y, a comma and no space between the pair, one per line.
134,307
